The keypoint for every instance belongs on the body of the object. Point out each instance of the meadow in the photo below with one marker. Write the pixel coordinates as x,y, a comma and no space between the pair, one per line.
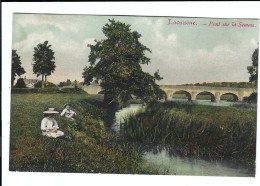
91,149
207,132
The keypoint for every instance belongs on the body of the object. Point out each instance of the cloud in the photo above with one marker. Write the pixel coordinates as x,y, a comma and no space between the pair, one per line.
40,19
177,63
70,56
184,65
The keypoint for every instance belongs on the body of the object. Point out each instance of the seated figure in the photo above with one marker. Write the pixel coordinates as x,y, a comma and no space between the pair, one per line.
67,112
49,125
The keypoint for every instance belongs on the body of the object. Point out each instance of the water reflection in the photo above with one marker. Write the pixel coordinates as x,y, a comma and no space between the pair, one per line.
122,114
222,103
176,165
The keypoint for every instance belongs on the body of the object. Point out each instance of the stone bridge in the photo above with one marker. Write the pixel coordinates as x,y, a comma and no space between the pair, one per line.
214,92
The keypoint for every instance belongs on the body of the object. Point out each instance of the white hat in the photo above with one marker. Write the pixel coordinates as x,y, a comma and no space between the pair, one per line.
67,104
51,111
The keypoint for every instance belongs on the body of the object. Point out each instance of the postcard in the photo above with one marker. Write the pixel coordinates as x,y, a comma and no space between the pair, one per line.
134,95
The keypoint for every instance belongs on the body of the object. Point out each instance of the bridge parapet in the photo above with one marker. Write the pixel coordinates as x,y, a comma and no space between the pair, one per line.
215,92
205,88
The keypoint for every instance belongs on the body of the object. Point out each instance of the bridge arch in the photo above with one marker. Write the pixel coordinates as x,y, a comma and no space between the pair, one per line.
227,98
192,91
212,96
188,94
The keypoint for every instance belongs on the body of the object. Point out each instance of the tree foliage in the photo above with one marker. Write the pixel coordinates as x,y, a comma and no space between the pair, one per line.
115,62
17,69
44,60
253,70
20,83
224,84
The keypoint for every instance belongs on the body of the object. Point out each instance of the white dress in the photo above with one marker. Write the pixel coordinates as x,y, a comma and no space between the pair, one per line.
68,113
48,124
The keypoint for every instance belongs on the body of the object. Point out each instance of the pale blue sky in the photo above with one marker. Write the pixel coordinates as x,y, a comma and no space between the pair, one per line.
182,53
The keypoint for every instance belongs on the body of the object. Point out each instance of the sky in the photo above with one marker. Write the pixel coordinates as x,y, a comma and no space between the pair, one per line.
188,50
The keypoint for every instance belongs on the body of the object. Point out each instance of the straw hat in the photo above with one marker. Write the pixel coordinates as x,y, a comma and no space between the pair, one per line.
67,104
51,111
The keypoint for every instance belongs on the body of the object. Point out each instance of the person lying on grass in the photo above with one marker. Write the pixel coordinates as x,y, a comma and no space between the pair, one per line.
49,125
67,112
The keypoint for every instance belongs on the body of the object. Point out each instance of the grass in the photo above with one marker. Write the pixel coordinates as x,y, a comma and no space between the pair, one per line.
91,149
220,133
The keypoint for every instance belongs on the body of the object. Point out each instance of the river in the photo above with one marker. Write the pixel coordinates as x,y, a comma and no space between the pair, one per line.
222,103
174,164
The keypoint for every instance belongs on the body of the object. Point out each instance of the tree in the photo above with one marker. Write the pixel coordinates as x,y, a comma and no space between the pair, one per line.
115,63
68,82
44,63
75,84
61,84
253,70
20,83
17,69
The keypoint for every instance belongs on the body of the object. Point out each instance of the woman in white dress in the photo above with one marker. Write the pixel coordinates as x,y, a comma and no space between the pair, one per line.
67,112
49,125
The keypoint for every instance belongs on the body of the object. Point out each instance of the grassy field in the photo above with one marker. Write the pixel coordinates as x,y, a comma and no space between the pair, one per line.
202,131
91,149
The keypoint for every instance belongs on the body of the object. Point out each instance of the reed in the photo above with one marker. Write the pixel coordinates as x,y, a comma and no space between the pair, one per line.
201,131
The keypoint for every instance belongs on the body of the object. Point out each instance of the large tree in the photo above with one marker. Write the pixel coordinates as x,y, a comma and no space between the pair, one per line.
17,69
44,61
253,70
115,63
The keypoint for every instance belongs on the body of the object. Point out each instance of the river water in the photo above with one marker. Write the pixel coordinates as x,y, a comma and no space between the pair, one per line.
222,103
171,164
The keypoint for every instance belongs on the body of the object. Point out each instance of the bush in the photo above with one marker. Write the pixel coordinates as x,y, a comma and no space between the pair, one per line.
47,90
34,90
72,90
47,84
20,83
252,98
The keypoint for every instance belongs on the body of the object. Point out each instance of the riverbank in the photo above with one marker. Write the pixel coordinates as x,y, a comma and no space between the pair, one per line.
91,149
203,132
212,133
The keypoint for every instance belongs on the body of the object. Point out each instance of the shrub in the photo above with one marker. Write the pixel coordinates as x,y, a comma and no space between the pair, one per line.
72,90
34,90
252,98
47,84
20,83
47,90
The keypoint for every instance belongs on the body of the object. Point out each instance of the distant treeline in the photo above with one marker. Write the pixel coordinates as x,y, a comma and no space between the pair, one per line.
224,84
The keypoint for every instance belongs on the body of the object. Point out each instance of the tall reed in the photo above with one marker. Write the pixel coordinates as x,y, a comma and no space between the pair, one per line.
202,131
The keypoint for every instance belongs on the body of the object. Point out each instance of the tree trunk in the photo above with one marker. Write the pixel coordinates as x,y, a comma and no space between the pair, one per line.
109,100
106,99
46,80
42,81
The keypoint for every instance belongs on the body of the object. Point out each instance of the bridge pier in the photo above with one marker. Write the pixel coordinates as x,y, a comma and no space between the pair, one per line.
240,96
240,99
217,97
169,96
193,96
